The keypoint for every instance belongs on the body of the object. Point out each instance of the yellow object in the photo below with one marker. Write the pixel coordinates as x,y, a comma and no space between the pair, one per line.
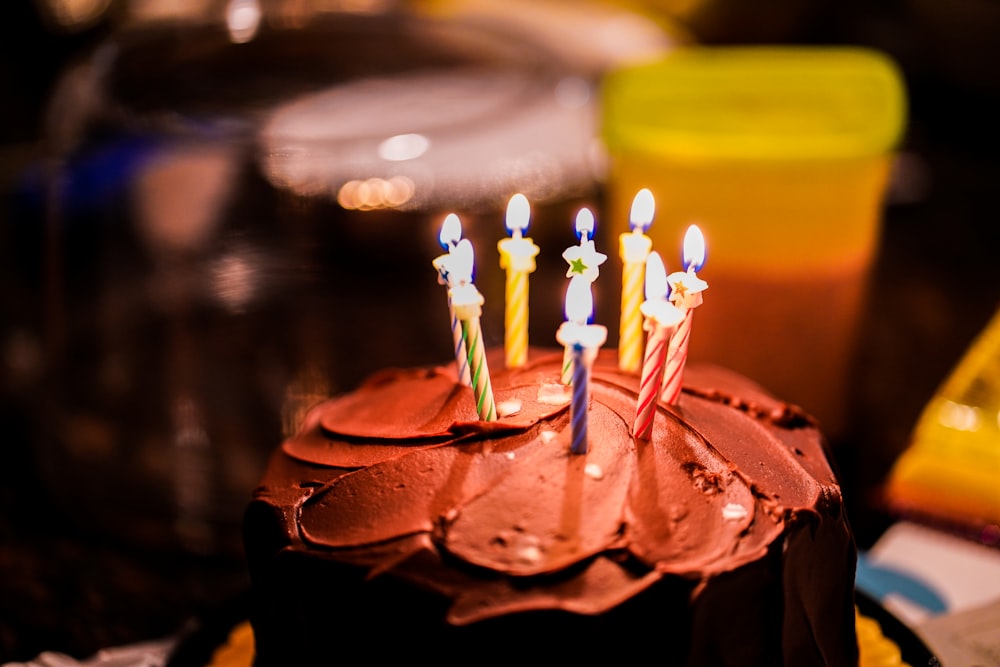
950,471
876,650
517,257
634,248
757,103
516,319
775,148
238,651
782,156
630,332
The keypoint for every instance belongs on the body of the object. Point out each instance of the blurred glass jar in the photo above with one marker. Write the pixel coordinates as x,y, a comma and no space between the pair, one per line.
241,218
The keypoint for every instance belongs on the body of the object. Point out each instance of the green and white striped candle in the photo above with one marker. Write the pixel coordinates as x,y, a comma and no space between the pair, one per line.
468,305
451,234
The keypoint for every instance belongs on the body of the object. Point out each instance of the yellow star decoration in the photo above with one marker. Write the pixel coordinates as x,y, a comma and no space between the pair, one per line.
679,289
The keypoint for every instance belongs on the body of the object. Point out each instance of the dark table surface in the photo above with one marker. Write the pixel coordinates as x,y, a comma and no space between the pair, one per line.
67,586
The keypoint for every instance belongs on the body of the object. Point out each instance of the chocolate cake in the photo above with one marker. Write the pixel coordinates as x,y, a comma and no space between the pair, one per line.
398,525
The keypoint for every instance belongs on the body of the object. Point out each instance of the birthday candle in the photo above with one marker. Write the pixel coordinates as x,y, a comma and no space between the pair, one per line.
468,304
686,293
584,262
662,319
517,256
583,259
566,376
451,233
580,403
583,341
634,248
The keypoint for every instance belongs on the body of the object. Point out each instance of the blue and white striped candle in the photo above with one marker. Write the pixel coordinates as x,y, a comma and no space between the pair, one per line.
584,264
581,401
583,342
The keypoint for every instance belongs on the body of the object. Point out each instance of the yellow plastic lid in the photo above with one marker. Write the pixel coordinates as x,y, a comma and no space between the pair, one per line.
756,103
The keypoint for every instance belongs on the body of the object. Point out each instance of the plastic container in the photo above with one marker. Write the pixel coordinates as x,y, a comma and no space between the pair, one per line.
782,156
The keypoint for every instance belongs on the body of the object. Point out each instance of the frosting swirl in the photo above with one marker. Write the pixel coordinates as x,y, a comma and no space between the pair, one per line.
500,517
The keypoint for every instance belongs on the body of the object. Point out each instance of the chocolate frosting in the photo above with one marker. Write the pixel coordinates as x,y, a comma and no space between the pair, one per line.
401,478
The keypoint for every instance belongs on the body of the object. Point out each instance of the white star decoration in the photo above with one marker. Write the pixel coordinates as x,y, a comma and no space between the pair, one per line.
584,260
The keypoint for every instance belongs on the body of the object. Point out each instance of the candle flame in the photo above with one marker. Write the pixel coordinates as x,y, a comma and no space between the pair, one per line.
643,206
451,231
579,301
694,248
656,278
243,20
518,213
584,224
463,258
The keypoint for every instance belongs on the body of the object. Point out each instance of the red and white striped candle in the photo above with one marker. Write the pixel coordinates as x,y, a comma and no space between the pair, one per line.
662,319
686,293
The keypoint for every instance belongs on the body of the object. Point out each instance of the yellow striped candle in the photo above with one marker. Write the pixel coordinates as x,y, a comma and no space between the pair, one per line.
468,304
634,248
662,318
517,257
686,293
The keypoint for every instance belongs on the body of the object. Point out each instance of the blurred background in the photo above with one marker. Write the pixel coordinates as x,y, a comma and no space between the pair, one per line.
196,243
